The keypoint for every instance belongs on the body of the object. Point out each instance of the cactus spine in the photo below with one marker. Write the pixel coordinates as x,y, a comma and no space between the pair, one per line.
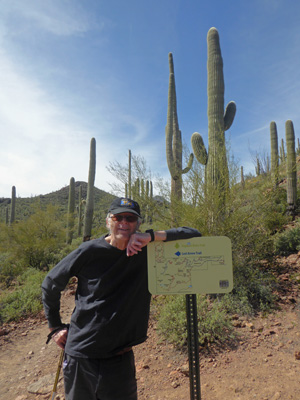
291,167
274,153
13,205
71,210
215,160
89,208
173,139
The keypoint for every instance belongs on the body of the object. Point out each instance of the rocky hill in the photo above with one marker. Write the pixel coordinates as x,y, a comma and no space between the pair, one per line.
25,205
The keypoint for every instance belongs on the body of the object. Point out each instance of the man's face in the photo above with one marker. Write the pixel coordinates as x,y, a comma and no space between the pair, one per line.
122,225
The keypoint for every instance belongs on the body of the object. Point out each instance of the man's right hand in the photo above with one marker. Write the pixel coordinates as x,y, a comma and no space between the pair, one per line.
60,338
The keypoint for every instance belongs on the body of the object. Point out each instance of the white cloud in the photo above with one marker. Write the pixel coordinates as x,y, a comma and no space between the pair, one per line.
36,135
58,17
23,104
44,143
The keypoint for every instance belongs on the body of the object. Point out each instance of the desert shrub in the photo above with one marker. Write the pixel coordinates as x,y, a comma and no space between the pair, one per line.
214,324
25,299
35,242
273,212
287,242
252,291
253,285
9,269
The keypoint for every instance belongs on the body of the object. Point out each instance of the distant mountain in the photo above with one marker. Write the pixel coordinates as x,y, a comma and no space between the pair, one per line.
61,196
25,205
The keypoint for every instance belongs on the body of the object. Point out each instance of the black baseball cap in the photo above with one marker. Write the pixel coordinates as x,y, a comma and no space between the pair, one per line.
123,204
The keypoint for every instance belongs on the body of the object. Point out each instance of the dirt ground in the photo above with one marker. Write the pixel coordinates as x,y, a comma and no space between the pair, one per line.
264,364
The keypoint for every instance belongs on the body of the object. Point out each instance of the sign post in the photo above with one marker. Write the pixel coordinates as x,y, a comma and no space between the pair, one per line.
193,346
189,266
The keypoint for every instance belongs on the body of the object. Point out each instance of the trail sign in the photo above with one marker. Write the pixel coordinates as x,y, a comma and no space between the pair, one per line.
190,266
197,265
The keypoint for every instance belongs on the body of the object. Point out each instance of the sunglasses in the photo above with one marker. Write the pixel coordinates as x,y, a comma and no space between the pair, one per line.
128,218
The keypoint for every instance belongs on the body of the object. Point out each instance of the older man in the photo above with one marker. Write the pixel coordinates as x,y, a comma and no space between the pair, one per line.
111,305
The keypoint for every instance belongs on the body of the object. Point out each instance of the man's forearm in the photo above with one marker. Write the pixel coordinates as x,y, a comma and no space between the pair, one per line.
138,240
160,236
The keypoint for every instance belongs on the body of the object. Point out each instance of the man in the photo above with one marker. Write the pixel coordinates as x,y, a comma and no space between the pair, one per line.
111,305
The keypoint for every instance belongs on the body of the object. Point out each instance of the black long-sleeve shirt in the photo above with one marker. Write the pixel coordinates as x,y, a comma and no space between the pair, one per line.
112,300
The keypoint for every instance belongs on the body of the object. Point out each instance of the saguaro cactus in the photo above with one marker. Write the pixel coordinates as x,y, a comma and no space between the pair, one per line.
258,166
215,159
173,139
274,153
80,205
89,208
129,175
242,177
291,167
136,189
13,205
71,210
282,152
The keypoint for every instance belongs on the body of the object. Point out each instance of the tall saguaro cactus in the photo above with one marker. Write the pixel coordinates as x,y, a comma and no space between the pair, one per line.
89,208
71,210
291,166
242,177
129,175
13,205
215,160
282,152
80,204
274,153
173,139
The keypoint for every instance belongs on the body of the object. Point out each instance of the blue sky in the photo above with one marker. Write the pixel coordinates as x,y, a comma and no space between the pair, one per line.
71,70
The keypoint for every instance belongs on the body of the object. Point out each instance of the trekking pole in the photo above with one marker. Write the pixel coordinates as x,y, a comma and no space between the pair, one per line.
57,374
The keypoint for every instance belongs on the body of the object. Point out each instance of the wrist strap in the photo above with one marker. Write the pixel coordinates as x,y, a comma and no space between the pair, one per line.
151,234
59,328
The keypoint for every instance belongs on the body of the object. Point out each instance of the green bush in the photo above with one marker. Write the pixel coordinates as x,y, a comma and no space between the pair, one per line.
273,211
253,282
9,269
252,291
25,299
287,242
214,324
36,241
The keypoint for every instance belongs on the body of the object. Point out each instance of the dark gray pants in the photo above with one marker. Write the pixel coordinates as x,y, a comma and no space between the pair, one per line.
100,379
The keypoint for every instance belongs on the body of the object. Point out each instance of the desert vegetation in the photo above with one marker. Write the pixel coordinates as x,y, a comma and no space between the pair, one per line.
260,214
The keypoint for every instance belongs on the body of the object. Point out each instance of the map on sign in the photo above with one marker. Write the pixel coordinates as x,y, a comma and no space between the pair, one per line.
190,266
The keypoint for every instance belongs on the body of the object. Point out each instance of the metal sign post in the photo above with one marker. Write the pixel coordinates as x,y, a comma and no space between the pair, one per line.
193,346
